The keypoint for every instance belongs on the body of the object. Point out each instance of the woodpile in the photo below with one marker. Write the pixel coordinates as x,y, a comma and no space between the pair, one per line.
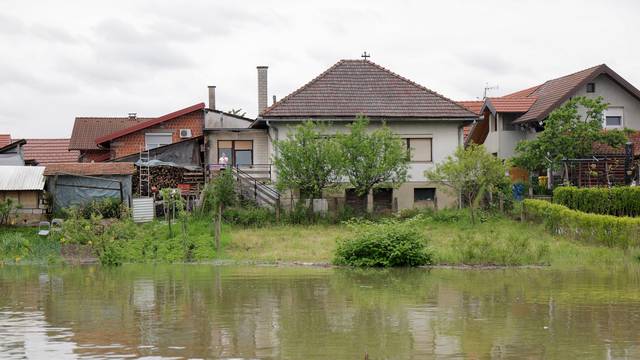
170,177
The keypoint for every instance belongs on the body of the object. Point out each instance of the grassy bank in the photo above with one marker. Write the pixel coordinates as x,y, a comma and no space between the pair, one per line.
450,237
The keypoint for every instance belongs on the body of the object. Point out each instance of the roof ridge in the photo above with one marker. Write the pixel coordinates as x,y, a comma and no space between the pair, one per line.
592,68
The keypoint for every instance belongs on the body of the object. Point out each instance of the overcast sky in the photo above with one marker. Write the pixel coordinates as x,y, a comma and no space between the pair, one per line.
62,59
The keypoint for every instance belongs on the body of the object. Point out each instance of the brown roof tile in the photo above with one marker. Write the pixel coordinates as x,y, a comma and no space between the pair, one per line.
472,105
49,151
511,104
603,149
352,87
87,129
101,168
5,139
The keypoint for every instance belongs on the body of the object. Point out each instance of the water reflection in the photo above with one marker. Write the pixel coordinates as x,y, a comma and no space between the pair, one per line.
292,313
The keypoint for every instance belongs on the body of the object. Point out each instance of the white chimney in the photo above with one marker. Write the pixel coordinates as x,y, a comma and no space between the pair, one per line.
212,97
262,88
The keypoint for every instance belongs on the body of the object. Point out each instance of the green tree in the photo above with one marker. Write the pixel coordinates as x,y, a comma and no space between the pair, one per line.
567,135
471,172
307,160
372,158
220,193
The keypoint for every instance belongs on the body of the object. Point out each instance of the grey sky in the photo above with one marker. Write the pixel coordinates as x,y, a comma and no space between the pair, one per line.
81,58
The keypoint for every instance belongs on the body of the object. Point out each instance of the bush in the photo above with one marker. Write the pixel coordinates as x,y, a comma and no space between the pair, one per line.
250,216
386,244
618,201
585,227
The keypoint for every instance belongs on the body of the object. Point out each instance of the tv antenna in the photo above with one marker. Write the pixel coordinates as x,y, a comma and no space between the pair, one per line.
489,88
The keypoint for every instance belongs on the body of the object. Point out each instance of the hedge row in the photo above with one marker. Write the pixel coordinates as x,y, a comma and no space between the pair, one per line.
597,229
618,201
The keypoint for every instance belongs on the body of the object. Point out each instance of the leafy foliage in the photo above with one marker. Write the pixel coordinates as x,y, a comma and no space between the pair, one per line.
307,161
7,208
618,201
385,244
598,229
220,191
372,158
567,135
472,172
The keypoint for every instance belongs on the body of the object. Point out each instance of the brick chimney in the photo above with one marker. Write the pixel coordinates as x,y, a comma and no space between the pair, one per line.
262,88
212,97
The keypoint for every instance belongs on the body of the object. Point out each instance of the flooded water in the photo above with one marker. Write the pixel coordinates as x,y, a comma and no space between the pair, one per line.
203,311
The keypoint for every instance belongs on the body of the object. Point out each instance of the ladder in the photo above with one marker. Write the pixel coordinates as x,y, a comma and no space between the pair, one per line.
144,173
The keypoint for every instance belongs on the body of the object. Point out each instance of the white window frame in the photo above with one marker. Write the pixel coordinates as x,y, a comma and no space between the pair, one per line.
157,145
613,111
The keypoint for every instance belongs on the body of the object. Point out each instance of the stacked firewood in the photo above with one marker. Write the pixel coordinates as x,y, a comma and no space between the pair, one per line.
169,177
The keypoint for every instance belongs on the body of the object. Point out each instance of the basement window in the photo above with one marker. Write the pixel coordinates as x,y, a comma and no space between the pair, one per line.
156,140
591,87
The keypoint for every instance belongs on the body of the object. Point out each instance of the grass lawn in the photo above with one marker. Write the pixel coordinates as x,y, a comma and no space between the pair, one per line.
451,241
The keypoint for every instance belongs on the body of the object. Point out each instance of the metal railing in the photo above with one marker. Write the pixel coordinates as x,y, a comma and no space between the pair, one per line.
257,189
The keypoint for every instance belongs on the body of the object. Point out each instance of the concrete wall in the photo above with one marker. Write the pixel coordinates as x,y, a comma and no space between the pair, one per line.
219,120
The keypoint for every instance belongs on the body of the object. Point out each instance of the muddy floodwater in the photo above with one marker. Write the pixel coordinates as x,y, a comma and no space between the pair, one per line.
261,312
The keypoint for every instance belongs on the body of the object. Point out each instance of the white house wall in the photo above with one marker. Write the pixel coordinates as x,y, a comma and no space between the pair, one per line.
258,136
616,96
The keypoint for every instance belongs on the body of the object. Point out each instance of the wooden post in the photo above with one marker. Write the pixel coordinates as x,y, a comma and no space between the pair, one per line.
501,202
278,209
218,229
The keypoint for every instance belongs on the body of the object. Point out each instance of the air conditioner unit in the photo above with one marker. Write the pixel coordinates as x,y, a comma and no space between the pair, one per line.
185,133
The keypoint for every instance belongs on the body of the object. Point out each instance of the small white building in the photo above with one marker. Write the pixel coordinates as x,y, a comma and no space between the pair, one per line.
24,185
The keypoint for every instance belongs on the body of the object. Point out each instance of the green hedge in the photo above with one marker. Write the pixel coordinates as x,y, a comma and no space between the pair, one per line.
618,201
612,231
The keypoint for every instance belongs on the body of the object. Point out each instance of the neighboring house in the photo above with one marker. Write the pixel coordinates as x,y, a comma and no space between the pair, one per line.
49,151
79,183
106,138
474,106
518,116
23,184
243,141
87,129
5,139
12,153
430,124
171,128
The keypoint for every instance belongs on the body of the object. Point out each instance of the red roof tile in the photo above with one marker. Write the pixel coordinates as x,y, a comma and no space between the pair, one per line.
49,151
149,123
603,149
511,104
87,129
5,139
472,105
101,168
352,87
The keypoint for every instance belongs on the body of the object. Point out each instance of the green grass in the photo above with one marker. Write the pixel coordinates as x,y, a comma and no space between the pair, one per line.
450,237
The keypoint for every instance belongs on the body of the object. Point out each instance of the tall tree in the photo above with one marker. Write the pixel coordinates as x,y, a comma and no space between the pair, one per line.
372,158
567,135
307,160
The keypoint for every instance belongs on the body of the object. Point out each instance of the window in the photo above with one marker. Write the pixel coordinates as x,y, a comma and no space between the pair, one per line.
495,123
155,140
591,87
613,117
419,150
507,124
239,152
424,194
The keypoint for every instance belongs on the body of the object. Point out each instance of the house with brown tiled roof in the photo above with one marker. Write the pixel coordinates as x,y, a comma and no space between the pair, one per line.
431,124
109,138
509,119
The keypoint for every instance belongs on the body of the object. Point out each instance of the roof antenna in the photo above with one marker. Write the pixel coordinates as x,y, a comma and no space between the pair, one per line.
365,55
487,88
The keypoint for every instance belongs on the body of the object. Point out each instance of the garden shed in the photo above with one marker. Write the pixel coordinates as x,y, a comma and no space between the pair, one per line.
24,186
80,183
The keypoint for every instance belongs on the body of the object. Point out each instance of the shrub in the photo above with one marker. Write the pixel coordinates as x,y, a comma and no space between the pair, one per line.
385,244
618,201
591,228
250,216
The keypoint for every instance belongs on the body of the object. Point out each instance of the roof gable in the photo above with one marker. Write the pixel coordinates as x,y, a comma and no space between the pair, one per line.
87,129
352,87
149,123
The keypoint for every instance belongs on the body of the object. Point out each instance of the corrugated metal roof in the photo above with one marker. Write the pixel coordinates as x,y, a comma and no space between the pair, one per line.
14,178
